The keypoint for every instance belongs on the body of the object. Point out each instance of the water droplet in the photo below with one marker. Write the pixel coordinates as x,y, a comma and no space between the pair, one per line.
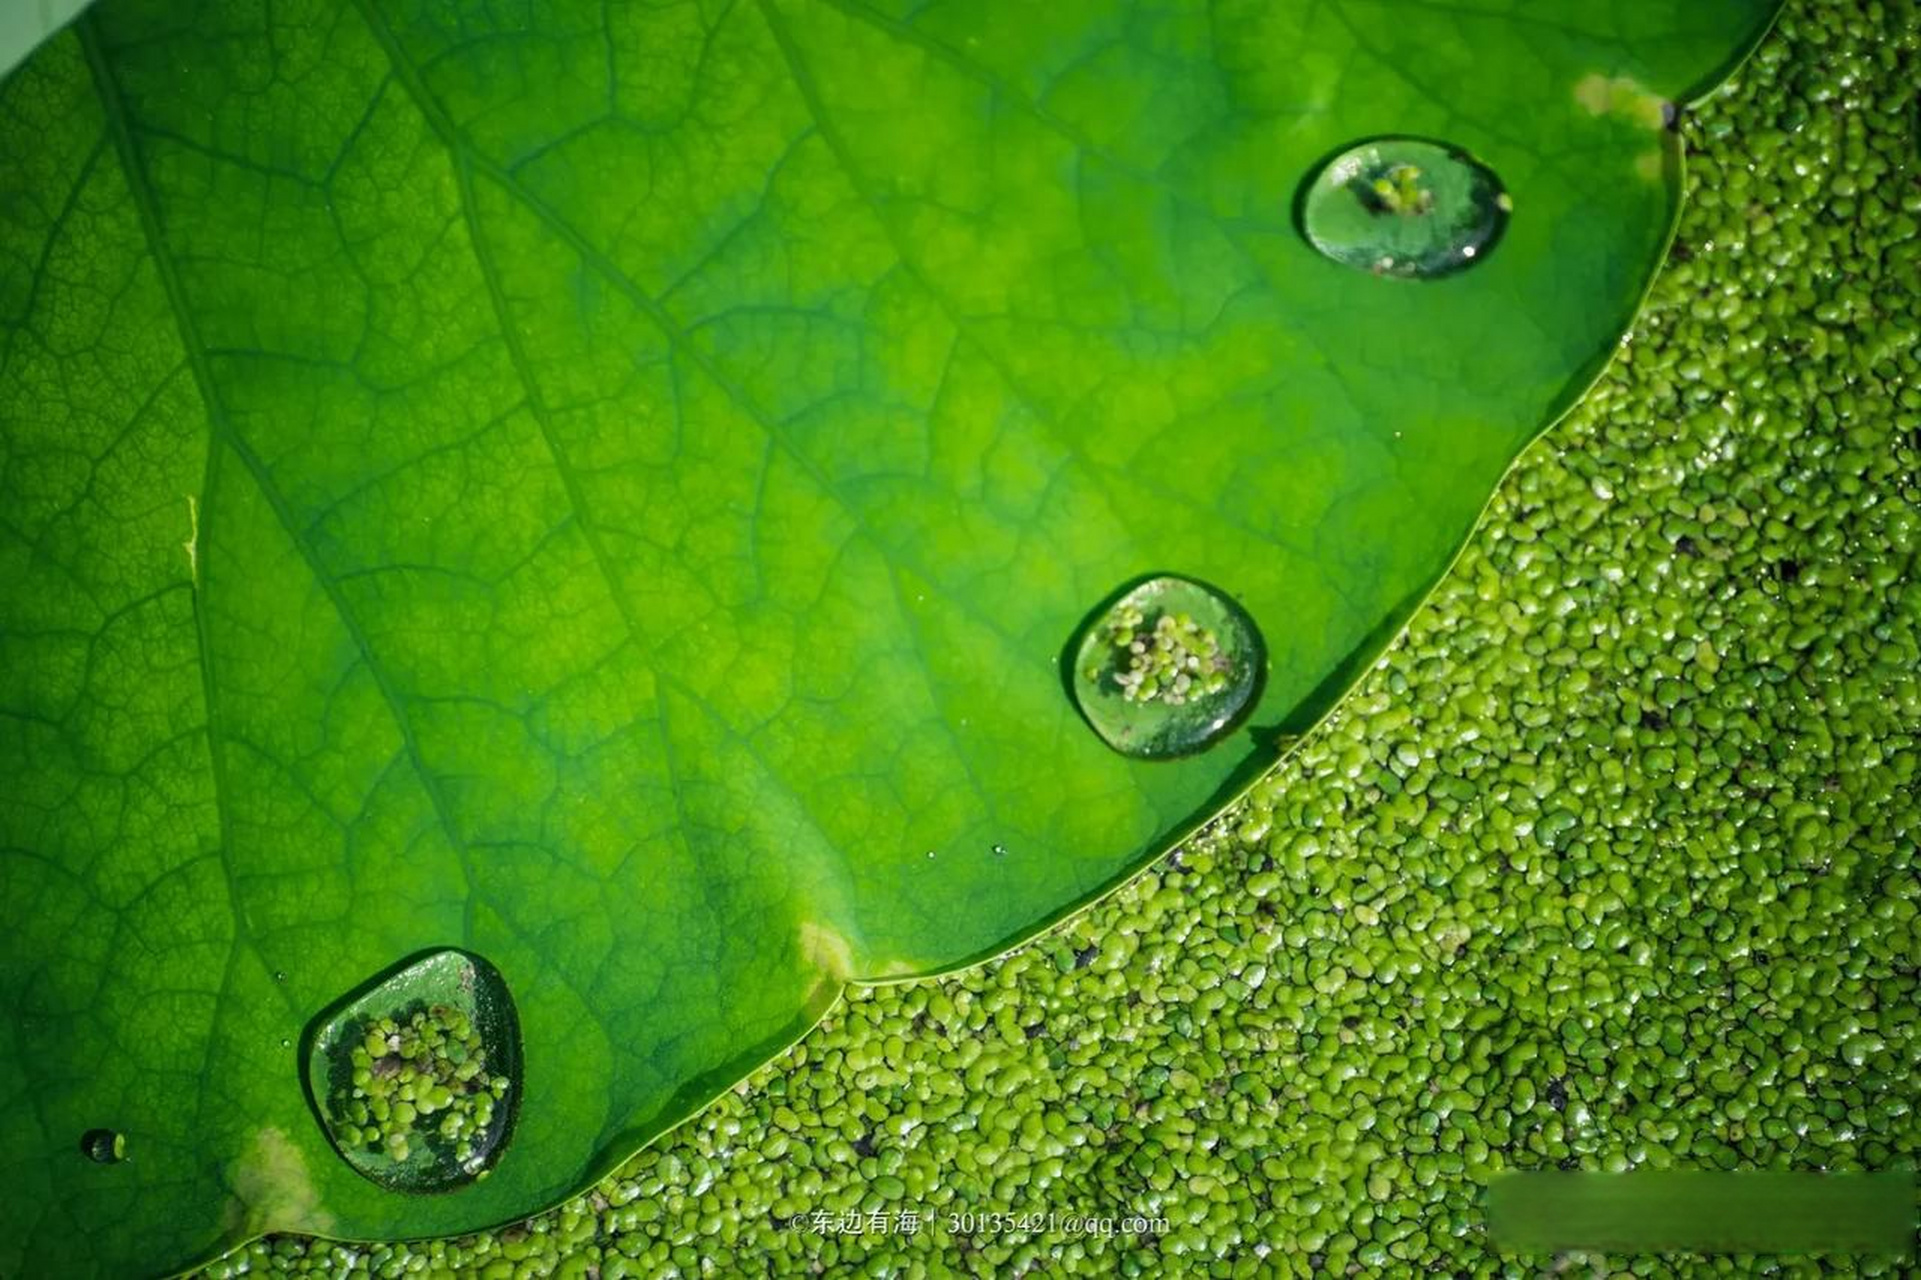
1168,669
104,1146
1000,851
1404,207
416,1076
280,975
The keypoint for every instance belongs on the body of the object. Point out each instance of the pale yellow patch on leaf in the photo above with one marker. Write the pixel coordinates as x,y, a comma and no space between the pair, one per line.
827,951
272,1188
1622,96
192,545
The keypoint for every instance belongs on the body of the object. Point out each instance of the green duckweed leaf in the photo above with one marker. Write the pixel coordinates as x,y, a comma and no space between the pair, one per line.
611,487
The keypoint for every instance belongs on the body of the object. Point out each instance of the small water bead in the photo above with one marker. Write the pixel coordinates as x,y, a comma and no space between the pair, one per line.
1168,669
417,1079
104,1146
1405,207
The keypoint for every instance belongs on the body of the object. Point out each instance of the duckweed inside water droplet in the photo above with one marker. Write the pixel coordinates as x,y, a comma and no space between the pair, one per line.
1168,669
1404,207
104,1146
415,1078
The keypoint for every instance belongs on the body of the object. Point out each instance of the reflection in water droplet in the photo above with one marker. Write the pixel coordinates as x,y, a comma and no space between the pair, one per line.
417,1078
1168,669
1404,207
1000,851
104,1146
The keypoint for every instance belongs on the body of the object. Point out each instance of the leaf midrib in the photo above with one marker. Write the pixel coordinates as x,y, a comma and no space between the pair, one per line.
222,435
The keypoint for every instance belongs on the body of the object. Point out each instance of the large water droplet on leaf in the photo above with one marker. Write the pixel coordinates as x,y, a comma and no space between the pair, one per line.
1404,207
417,1078
1168,669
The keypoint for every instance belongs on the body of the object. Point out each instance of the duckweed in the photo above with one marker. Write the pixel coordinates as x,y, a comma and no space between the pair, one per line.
1167,657
417,1077
1401,191
1610,863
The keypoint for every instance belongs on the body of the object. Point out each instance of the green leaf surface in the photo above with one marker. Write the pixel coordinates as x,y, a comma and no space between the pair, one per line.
610,488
